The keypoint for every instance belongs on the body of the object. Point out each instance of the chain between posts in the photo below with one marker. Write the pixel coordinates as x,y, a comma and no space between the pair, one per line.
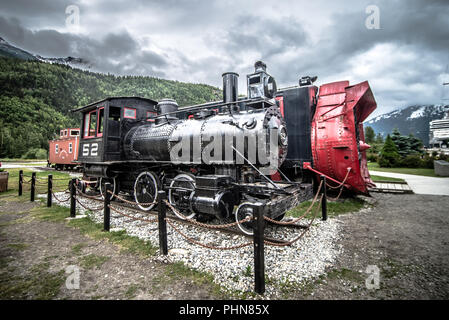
87,208
57,199
301,235
87,196
205,225
131,217
342,183
131,202
338,196
206,245
286,223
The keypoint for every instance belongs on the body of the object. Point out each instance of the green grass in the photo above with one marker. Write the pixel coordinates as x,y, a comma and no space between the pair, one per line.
38,283
20,160
382,179
417,171
92,260
334,208
18,246
77,248
126,242
41,186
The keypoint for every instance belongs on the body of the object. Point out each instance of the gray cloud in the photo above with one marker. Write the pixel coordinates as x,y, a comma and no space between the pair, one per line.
197,40
117,53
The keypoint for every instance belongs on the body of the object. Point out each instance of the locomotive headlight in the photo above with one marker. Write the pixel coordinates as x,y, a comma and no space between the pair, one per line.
283,137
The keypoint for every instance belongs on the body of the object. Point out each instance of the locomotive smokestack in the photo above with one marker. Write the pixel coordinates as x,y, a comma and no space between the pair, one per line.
230,86
260,66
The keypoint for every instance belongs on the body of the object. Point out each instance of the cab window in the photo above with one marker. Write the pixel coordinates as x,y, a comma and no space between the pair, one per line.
100,122
90,124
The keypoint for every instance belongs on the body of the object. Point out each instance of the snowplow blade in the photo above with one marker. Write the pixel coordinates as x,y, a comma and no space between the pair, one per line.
338,140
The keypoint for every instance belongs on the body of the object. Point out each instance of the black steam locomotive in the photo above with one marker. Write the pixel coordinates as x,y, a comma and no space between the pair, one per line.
212,159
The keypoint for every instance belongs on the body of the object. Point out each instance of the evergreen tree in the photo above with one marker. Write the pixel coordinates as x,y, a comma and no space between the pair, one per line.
369,135
379,139
389,156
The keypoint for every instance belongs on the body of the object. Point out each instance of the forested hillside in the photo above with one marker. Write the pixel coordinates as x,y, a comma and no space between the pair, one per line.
36,99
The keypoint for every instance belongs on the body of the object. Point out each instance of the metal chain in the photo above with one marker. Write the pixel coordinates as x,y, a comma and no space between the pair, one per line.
133,218
57,197
342,183
205,225
285,223
206,245
87,208
338,197
301,235
87,196
131,202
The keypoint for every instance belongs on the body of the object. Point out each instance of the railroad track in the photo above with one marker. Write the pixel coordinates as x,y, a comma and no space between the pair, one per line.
230,230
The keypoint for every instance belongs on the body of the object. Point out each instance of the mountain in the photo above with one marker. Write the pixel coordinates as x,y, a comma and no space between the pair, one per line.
7,50
36,98
413,119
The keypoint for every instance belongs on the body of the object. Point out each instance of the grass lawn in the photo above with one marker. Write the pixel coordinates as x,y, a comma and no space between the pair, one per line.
41,185
418,171
381,179
20,160
334,208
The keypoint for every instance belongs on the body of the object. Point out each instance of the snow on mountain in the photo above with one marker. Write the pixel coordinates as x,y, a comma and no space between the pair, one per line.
10,51
413,119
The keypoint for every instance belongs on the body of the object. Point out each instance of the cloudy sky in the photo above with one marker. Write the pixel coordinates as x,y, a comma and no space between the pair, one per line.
403,53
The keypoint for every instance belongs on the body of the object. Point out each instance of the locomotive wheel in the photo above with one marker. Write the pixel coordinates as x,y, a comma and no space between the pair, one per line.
112,181
244,211
146,189
180,198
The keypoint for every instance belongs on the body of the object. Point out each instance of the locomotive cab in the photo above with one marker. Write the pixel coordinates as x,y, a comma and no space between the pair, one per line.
103,124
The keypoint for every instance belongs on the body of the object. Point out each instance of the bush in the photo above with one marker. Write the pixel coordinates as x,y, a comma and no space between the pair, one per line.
427,162
371,157
412,161
389,156
35,153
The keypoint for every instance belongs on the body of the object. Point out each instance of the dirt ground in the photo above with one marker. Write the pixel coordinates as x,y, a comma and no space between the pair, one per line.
34,255
404,236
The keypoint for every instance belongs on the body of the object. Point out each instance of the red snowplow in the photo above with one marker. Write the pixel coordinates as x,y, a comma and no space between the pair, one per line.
338,141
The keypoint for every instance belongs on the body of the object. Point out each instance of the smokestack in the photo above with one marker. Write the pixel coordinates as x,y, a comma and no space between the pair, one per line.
230,87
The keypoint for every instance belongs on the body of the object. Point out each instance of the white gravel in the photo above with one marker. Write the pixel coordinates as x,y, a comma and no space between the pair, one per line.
233,269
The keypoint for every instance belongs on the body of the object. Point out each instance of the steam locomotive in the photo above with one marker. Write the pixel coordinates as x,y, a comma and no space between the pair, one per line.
217,159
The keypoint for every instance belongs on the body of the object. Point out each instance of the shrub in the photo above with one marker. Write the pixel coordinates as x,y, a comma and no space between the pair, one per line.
427,162
389,156
372,157
35,153
412,161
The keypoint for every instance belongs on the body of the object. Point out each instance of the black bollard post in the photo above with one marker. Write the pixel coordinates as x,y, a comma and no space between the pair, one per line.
49,190
73,198
33,186
324,200
106,209
162,214
259,254
20,182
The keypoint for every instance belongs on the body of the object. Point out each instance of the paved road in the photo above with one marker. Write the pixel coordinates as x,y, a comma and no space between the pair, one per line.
420,184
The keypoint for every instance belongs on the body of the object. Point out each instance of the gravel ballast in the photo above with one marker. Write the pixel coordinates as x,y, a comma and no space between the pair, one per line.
233,269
